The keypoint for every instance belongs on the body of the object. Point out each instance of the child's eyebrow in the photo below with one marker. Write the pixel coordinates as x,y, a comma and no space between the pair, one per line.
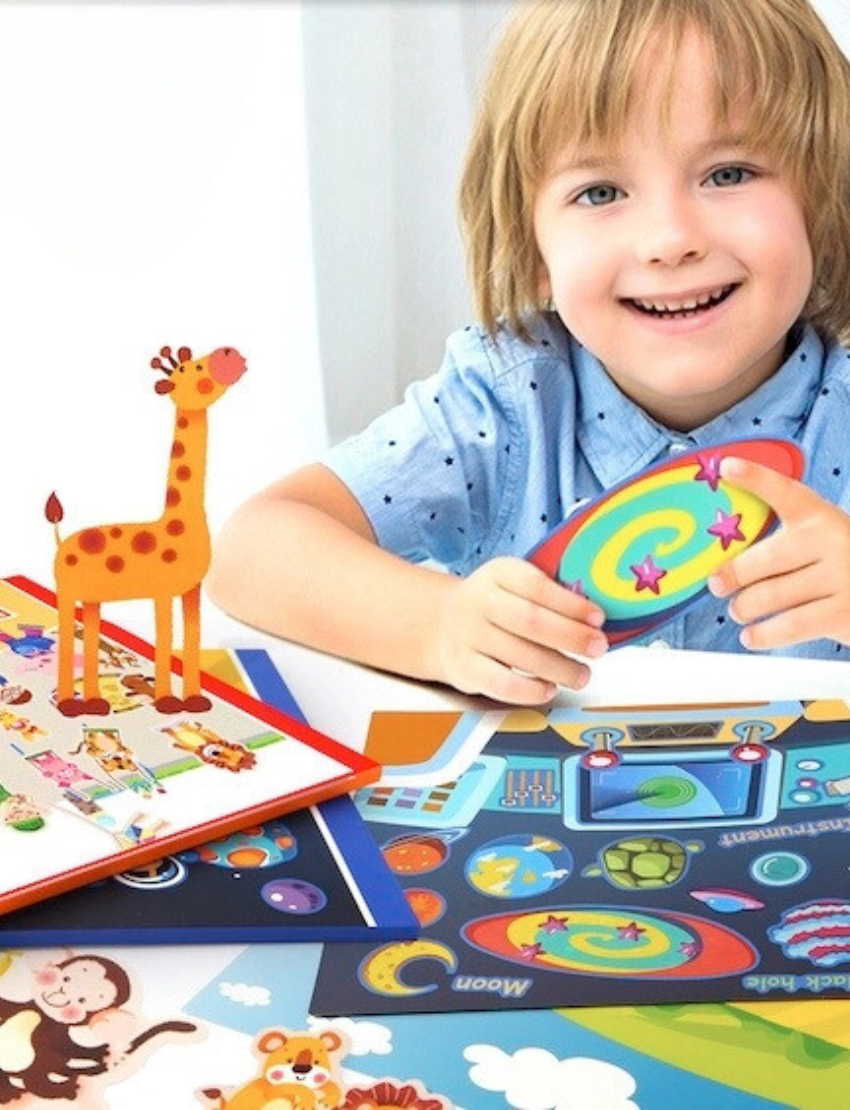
734,140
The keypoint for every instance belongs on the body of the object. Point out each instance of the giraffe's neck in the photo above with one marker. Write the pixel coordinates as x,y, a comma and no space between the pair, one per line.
184,491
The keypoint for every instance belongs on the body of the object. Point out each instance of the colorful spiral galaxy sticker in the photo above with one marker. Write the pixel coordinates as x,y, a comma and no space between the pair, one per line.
644,550
627,942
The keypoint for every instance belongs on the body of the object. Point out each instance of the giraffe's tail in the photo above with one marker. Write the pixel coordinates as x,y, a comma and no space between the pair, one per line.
54,512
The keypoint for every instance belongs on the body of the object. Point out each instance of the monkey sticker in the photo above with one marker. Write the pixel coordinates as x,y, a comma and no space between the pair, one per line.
74,1033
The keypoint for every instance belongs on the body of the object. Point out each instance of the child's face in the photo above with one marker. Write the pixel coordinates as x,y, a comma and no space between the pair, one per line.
676,216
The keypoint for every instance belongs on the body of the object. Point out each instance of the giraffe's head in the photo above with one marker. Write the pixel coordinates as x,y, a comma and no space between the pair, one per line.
197,383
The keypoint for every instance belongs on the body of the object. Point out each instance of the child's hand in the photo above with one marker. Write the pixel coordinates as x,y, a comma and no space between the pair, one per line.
794,585
503,630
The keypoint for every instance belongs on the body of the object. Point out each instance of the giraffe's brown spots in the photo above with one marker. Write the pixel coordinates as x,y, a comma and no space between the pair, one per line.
177,449
172,496
169,555
115,532
71,560
182,421
115,563
184,473
92,541
143,543
175,528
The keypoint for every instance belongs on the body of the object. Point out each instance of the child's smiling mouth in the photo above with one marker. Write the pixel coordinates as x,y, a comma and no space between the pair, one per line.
680,307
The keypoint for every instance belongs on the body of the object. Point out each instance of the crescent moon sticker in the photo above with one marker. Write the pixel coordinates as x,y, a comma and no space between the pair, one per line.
381,971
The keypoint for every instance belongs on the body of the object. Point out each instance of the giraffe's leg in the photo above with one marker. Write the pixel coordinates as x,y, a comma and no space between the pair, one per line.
164,700
66,703
93,702
193,699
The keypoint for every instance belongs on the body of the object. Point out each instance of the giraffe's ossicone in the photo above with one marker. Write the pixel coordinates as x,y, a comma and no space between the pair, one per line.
160,559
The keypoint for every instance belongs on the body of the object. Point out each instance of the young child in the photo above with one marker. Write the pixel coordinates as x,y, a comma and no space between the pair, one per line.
657,206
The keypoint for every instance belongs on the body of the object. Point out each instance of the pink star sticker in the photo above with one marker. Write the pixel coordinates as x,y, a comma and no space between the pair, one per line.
709,469
632,931
648,575
689,948
576,587
726,528
554,924
530,951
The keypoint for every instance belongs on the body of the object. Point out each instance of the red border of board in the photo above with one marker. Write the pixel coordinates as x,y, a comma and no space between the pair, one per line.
361,771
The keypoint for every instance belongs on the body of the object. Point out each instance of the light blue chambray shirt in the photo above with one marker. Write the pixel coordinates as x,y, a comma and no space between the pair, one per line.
489,454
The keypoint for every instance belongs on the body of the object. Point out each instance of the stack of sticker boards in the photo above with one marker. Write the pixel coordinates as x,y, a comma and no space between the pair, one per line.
142,795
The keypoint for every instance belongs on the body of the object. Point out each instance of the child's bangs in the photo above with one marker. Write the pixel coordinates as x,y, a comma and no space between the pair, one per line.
769,90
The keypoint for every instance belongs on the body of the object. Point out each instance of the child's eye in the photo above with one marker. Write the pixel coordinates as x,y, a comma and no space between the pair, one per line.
730,175
598,195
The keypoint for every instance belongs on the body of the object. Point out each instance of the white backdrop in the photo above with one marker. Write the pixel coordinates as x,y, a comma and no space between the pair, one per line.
155,187
153,191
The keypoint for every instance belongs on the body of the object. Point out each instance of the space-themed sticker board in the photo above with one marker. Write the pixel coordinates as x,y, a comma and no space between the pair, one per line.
316,874
644,550
83,797
617,856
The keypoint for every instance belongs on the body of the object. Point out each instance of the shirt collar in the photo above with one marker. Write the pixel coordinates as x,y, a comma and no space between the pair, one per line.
617,438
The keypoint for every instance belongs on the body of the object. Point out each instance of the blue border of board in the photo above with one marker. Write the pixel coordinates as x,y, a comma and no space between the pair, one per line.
384,913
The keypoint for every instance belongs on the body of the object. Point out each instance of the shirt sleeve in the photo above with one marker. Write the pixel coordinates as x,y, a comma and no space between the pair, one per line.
432,474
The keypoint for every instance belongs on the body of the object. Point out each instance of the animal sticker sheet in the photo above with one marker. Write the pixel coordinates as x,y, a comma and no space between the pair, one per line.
83,797
615,855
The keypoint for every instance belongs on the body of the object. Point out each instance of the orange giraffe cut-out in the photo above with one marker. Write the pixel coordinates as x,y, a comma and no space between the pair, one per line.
161,559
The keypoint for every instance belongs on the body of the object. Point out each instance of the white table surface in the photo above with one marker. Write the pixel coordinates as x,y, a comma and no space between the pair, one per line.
337,698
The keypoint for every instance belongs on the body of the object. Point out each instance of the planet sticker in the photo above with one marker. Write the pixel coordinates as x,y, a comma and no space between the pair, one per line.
628,942
258,846
418,853
645,549
295,896
428,906
518,866
780,868
816,931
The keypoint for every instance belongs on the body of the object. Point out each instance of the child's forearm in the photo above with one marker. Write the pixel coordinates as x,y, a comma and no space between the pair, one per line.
294,570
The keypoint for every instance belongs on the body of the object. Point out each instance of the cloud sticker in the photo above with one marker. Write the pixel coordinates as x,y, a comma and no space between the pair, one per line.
534,1079
364,1037
245,995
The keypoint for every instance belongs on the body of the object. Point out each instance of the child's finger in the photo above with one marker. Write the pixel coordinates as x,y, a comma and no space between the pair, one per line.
495,680
537,624
532,659
788,498
529,582
773,595
792,626
776,555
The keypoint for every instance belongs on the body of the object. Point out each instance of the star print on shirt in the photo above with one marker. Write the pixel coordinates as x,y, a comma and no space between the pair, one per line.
726,528
648,575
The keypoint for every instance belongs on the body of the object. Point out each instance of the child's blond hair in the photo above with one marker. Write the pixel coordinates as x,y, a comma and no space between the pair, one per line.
564,72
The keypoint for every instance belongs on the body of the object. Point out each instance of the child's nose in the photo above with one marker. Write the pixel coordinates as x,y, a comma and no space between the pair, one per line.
672,234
